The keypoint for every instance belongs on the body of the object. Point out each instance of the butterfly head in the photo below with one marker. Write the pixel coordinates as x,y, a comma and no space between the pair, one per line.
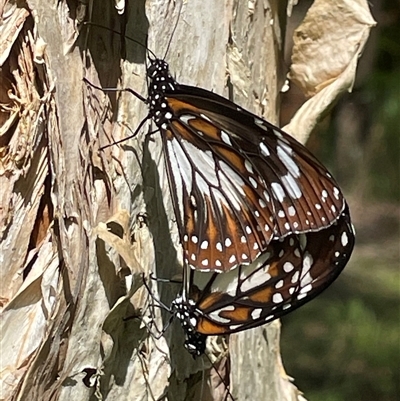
159,75
157,67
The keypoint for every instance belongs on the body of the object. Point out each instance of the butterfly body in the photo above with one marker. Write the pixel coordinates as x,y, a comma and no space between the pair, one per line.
237,181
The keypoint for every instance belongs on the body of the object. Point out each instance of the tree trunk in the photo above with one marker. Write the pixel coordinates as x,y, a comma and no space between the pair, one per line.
81,226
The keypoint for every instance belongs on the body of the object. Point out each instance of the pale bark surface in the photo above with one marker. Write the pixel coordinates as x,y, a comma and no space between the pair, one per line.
79,227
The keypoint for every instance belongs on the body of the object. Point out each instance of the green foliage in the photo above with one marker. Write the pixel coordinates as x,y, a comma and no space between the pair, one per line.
384,161
345,344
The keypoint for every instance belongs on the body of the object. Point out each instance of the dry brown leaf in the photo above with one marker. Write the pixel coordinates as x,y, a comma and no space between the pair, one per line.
328,45
331,34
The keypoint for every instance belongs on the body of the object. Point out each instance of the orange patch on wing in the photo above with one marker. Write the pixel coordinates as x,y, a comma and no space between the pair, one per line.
273,269
262,296
211,300
211,230
182,107
239,314
231,222
189,223
208,129
233,157
204,126
204,326
168,134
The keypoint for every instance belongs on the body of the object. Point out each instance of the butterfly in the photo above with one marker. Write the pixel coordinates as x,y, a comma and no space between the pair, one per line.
263,224
237,182
292,271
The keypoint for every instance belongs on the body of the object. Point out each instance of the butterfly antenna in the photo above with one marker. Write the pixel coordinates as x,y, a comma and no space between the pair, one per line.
163,306
122,35
173,31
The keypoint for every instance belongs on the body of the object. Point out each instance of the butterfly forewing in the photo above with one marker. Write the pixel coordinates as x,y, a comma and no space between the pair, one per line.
247,182
291,272
237,181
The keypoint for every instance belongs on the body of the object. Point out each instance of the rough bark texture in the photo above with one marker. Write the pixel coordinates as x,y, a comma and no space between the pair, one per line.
80,227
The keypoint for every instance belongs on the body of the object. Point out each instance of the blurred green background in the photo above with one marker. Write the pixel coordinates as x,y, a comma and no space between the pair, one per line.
345,345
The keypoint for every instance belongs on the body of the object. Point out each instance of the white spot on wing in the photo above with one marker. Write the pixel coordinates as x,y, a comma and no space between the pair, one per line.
307,279
256,313
248,166
205,117
204,245
253,182
336,193
185,118
288,267
266,195
277,298
291,186
284,152
264,149
215,315
306,289
225,138
278,191
344,239
295,277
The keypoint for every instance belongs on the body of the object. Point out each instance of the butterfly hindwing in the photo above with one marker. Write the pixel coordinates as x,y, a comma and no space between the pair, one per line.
291,272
